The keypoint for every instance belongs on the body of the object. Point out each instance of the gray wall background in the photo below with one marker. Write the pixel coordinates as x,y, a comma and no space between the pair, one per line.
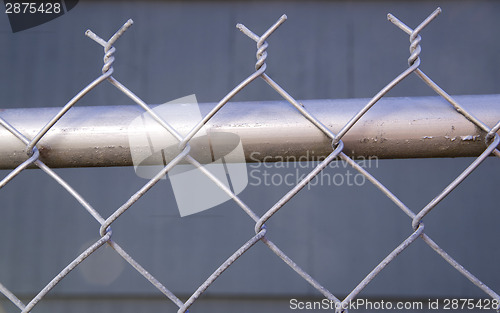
338,49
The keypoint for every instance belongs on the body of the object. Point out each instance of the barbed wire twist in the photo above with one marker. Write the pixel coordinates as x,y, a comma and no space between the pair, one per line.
491,139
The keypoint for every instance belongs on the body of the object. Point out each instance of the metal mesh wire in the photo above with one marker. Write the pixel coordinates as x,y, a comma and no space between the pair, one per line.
417,231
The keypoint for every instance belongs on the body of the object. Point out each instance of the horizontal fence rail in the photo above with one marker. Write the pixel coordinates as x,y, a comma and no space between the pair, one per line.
420,127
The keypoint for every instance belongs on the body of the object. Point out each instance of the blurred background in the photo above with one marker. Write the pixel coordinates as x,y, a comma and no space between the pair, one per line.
338,234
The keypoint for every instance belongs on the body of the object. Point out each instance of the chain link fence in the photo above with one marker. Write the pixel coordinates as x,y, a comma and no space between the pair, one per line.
416,232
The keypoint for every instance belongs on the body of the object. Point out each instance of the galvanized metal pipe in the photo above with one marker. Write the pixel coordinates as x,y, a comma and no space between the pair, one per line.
272,131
